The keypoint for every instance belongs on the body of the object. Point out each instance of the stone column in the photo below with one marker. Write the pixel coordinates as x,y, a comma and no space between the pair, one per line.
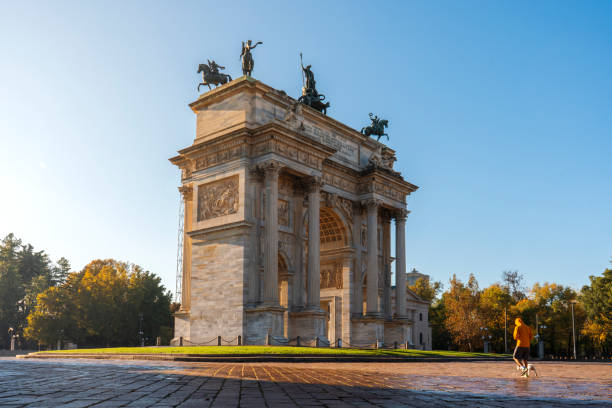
187,192
357,309
271,171
314,260
255,216
372,307
299,274
386,264
400,263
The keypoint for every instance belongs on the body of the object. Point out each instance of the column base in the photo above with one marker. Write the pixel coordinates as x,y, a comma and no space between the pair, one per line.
263,321
396,331
309,324
367,331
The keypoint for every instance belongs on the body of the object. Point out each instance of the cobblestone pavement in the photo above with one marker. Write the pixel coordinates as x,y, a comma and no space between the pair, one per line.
84,383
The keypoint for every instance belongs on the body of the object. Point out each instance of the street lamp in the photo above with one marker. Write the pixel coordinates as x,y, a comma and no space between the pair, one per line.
540,343
485,335
140,332
11,332
573,327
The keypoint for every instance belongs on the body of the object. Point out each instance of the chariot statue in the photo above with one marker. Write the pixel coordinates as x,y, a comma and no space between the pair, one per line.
310,96
377,128
247,57
211,75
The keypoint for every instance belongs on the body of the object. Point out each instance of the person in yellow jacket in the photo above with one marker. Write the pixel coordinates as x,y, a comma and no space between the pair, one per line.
523,336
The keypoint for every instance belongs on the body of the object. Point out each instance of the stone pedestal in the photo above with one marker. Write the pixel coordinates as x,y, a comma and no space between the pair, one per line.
367,331
396,330
308,324
264,321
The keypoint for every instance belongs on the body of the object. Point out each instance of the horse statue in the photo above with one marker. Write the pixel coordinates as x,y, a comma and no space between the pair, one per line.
211,75
315,102
377,128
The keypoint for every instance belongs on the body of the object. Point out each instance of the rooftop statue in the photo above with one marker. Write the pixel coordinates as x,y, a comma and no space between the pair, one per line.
247,57
310,96
211,75
377,128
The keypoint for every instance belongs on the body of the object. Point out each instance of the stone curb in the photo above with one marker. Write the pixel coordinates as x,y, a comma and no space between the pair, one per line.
259,358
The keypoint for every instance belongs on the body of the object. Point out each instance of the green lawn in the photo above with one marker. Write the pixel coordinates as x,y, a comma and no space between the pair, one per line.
267,350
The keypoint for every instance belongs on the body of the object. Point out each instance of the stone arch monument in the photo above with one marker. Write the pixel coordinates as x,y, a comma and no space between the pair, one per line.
288,216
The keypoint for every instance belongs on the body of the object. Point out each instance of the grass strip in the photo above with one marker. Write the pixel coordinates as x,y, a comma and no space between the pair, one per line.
277,350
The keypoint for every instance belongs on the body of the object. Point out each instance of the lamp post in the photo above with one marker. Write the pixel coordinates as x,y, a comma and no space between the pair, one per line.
140,332
540,343
485,336
11,332
573,328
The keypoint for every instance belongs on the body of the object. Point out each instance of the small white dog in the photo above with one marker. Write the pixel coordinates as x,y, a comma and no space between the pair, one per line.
526,373
531,368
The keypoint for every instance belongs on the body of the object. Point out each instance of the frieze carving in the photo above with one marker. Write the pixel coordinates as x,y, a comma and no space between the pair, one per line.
382,189
339,182
221,154
218,198
331,276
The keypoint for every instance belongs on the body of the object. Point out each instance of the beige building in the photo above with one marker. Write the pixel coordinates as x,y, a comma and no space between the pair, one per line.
288,217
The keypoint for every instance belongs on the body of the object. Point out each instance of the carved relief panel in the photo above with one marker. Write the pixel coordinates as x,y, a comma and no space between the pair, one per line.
331,276
218,198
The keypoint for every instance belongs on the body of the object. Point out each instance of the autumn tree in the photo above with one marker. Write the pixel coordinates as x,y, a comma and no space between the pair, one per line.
463,320
493,300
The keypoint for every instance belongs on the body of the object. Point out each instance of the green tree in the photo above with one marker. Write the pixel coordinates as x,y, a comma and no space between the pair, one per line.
103,305
23,274
426,289
597,301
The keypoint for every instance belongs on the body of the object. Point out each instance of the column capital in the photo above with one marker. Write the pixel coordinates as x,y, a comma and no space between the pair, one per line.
371,203
401,215
313,184
186,192
271,168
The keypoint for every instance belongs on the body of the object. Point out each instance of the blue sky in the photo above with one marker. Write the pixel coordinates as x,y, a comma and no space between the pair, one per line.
499,111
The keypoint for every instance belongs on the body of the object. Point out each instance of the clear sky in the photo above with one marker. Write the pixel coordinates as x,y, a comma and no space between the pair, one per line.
500,111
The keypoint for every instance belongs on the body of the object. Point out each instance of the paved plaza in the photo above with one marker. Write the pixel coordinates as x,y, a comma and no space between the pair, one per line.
85,383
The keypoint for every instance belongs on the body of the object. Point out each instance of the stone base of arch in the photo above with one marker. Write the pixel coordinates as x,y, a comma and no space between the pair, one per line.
396,331
264,321
308,324
367,332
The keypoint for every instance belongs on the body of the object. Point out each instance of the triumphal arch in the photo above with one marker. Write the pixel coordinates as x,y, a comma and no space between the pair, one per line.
288,217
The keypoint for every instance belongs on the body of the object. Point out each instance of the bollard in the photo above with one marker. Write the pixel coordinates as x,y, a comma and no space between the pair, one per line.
339,343
239,340
218,340
297,341
406,345
158,341
181,341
